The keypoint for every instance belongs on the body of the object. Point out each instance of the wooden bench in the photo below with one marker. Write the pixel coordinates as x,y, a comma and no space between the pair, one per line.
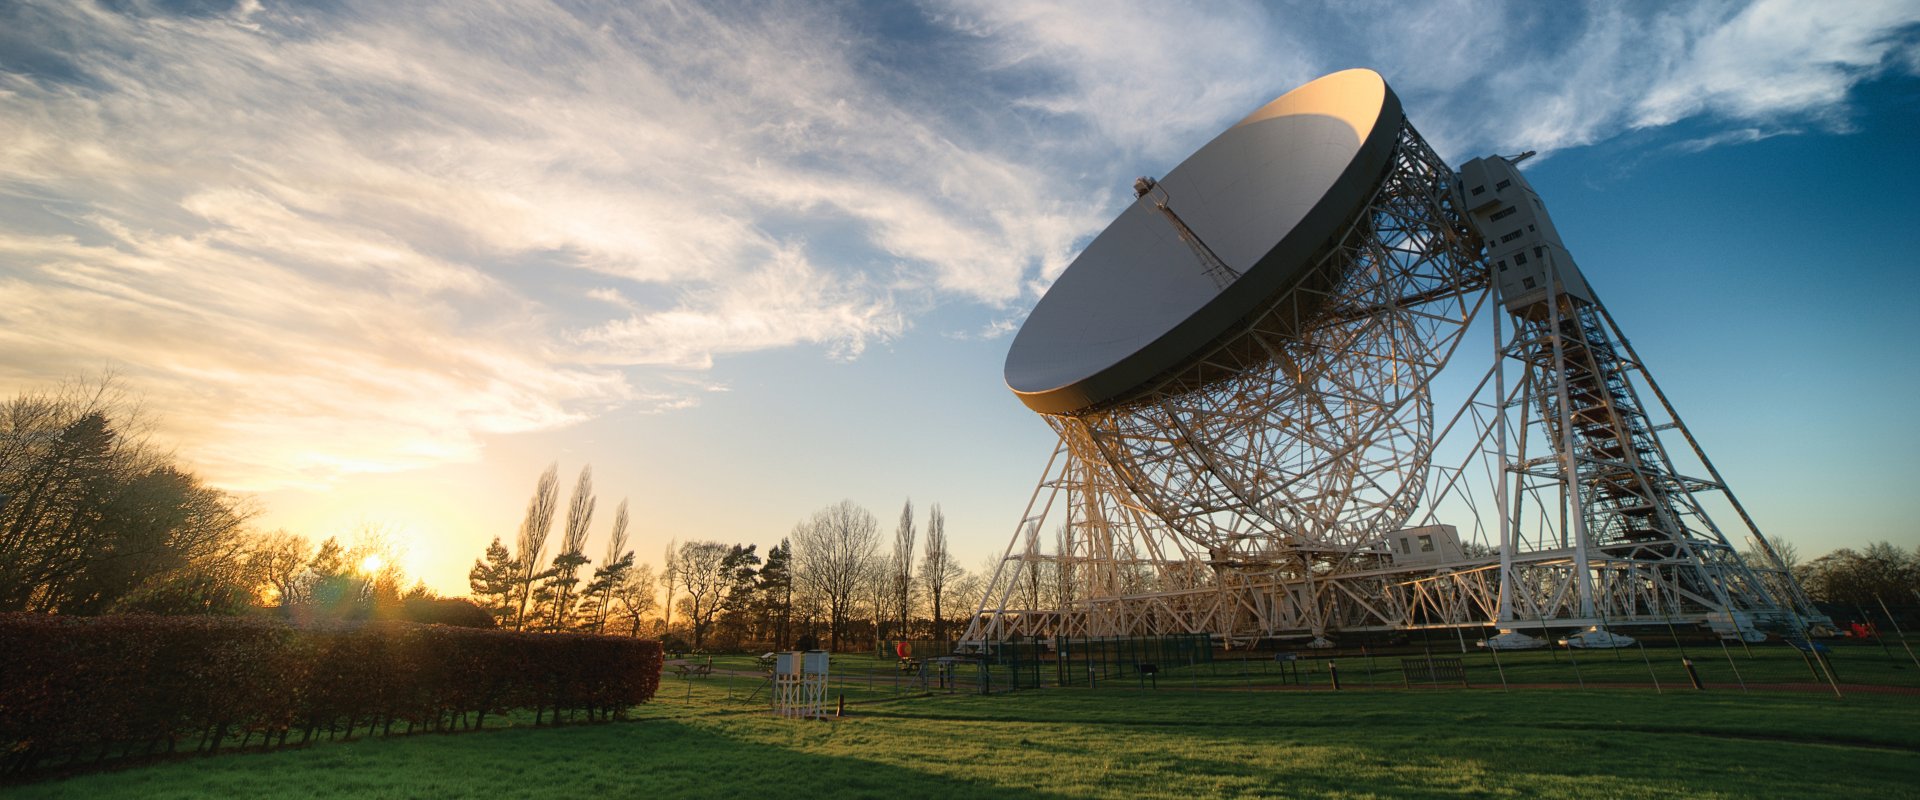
1432,671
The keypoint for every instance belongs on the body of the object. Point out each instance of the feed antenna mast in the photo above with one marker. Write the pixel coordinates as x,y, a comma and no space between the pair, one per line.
1249,453
1210,264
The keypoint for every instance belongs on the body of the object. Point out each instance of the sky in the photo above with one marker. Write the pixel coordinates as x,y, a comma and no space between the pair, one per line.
380,264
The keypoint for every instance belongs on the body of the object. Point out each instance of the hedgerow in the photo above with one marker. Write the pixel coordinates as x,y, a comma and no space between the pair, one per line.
91,688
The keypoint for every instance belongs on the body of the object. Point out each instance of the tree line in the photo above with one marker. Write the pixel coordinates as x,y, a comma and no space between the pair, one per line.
95,519
525,591
1854,583
830,580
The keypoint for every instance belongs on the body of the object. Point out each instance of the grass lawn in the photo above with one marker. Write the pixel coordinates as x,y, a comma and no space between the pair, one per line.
1719,667
1178,741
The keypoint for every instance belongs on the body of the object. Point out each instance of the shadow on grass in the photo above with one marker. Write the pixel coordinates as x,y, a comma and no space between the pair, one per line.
654,757
1105,743
1562,743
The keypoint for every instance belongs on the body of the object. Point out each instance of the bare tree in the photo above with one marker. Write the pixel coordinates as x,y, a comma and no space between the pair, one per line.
878,580
275,563
830,555
1030,567
809,608
617,541
701,567
374,555
969,591
534,531
573,543
938,570
1063,569
669,574
902,595
612,571
635,596
1758,556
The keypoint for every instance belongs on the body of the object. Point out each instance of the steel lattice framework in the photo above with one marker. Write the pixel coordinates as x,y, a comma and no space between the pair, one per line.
1604,526
1207,501
1248,493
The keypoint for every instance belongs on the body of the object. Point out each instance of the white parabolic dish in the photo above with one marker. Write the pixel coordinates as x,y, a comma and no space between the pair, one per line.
1267,196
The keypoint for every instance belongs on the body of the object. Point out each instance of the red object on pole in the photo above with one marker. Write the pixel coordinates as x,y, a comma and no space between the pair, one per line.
902,649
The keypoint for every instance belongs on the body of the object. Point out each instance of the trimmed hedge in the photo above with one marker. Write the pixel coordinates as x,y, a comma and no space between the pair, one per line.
88,688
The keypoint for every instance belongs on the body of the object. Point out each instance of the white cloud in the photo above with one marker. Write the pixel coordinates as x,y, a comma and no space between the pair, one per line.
1739,73
1478,75
272,372
790,302
1146,77
611,297
338,241
362,238
1778,57
1736,136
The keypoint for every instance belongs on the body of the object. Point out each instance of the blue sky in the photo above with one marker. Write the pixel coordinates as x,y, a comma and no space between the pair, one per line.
383,263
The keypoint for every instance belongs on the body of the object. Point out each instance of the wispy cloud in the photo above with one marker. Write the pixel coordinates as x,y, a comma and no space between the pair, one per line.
362,237
1737,136
1778,58
1500,75
332,241
1141,77
790,302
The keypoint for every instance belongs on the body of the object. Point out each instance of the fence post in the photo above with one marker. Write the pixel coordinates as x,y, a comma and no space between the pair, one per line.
1691,674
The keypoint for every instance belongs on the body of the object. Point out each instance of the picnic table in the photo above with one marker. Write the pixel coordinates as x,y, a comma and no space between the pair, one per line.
687,670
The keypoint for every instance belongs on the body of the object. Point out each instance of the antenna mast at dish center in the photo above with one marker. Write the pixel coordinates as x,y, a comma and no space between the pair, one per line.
1241,372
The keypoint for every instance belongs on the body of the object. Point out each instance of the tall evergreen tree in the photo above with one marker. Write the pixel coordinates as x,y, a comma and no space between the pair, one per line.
775,593
495,581
330,576
740,602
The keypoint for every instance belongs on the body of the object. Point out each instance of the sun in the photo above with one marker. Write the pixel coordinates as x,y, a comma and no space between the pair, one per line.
371,564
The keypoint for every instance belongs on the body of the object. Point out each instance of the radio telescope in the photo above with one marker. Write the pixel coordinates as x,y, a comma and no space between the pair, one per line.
1241,372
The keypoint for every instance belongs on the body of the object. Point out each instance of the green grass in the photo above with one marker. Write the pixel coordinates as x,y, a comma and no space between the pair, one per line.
1720,669
860,678
1114,742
